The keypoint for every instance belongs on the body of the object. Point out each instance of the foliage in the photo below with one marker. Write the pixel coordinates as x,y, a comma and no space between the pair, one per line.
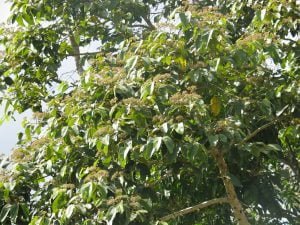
133,140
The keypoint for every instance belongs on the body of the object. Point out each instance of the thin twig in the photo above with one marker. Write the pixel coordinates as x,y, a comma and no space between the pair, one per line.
291,40
84,53
142,26
194,208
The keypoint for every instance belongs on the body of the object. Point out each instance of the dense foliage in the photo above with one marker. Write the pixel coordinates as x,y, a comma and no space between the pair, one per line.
185,103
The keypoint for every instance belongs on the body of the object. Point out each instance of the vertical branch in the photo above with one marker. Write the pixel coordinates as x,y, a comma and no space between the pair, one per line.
148,22
233,200
76,50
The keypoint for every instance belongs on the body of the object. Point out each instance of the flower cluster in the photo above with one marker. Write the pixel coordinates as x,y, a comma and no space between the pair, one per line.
68,186
134,102
249,39
134,201
103,131
96,174
20,155
158,119
116,175
39,142
184,98
162,77
39,116
116,200
108,80
209,14
4,176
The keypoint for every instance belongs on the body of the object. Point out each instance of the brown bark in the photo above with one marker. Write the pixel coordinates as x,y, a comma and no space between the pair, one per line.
233,200
77,54
194,208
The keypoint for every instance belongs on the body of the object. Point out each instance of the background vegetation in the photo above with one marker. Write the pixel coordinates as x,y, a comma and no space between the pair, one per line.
188,113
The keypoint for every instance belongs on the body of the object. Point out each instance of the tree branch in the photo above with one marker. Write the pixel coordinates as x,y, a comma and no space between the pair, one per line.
233,200
291,40
142,26
77,53
149,23
254,133
194,208
84,53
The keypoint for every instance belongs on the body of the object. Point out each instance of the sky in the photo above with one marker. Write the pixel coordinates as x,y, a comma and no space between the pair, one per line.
9,129
4,10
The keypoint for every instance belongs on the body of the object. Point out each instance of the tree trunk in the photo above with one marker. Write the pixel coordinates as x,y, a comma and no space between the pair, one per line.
233,200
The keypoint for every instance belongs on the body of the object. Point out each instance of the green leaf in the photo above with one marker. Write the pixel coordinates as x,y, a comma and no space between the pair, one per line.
165,127
64,131
28,18
152,145
105,140
25,211
179,128
59,202
209,37
69,211
8,81
156,144
62,87
235,181
91,192
161,223
88,222
131,63
41,221
127,149
184,19
145,90
262,14
279,113
19,20
274,147
169,143
213,140
14,212
4,212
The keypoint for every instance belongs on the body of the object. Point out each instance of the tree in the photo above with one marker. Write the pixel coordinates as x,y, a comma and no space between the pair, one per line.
188,113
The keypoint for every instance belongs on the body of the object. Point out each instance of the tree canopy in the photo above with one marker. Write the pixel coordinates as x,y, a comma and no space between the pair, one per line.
187,113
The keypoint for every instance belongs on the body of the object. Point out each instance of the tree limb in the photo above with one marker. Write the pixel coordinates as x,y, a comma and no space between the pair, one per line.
77,53
254,133
233,200
149,23
194,208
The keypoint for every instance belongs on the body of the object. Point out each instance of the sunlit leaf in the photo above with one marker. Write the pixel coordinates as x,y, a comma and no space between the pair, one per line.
215,105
